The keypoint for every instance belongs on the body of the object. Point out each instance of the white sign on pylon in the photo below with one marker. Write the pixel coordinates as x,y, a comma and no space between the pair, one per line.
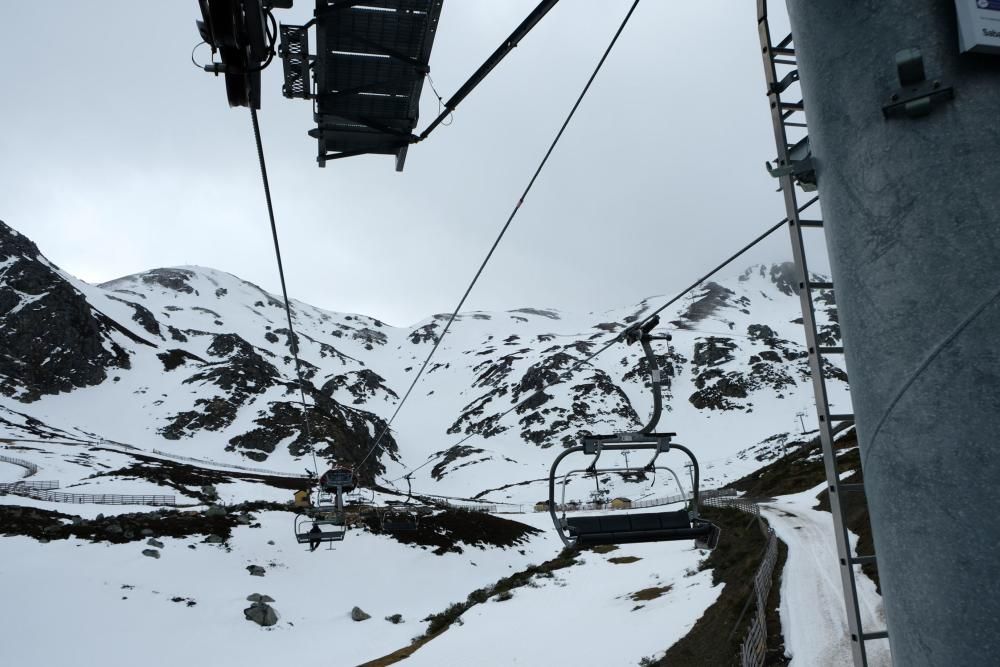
978,25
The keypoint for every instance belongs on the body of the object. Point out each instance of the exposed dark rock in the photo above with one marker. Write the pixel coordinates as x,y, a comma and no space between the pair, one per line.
142,316
175,358
362,385
760,332
710,299
256,570
370,337
156,544
358,615
242,376
51,339
784,277
452,454
152,553
551,314
492,373
716,389
713,351
424,334
350,430
261,613
172,279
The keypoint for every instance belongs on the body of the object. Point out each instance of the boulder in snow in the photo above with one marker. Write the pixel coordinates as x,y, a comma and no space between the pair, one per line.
261,613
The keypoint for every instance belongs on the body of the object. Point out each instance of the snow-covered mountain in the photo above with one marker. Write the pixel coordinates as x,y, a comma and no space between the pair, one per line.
104,389
197,362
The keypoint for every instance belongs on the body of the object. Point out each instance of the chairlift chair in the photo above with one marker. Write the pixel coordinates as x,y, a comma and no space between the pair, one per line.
338,478
329,530
399,521
624,528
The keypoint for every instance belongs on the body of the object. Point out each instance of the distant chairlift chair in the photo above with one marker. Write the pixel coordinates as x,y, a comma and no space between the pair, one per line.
401,518
315,531
327,521
621,528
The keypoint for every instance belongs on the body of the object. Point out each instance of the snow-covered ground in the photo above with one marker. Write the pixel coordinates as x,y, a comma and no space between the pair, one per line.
586,614
113,605
813,617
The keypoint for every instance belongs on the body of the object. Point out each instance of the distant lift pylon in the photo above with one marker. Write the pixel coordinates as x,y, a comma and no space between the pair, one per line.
619,527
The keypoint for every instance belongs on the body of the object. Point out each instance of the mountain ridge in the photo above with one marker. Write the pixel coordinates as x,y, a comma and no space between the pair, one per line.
192,359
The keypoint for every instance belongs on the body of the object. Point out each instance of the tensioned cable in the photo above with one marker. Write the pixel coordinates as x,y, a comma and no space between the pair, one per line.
614,339
503,231
292,338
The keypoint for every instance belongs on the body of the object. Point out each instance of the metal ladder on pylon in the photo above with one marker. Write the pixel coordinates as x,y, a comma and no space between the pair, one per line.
794,167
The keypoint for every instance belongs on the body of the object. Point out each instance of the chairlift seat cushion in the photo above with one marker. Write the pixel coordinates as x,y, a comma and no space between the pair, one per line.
631,528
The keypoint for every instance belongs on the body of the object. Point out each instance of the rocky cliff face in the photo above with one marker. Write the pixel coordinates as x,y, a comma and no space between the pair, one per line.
51,339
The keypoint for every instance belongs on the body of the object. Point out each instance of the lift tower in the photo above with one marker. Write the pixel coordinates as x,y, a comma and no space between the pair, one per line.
902,99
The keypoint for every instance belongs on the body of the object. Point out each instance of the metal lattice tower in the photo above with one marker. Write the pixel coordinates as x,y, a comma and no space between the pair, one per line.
794,168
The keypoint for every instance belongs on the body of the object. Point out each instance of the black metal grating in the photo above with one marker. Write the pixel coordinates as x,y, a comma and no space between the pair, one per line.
295,61
369,72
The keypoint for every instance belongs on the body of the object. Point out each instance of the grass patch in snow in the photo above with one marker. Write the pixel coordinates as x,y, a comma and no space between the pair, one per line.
604,548
647,594
623,560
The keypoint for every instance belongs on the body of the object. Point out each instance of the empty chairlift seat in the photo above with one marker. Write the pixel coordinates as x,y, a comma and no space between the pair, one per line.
646,527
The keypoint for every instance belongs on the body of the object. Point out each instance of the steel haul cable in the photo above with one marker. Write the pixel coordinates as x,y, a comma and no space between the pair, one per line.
503,231
292,338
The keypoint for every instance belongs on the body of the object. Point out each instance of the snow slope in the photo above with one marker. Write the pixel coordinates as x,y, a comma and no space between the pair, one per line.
812,598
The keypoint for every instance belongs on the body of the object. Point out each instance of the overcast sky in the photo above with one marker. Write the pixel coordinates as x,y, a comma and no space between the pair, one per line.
117,155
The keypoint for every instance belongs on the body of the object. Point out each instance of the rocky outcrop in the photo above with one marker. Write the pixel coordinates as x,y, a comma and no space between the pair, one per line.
51,339
261,613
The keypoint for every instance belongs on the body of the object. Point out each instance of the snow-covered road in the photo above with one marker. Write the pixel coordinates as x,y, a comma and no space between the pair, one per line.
813,617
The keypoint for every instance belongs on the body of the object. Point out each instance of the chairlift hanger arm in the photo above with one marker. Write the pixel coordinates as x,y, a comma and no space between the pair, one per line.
640,332
495,58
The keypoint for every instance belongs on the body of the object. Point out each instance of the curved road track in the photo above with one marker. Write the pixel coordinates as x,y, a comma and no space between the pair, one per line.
813,616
